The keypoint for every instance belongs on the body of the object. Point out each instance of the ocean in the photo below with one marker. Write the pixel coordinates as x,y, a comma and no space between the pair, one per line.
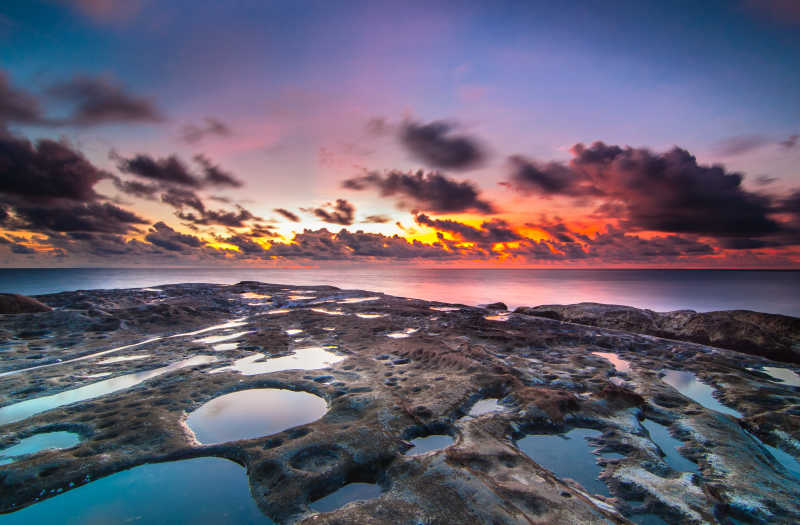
660,290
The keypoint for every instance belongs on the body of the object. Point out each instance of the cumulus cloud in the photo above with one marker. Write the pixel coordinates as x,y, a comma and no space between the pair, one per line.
165,237
436,145
172,170
99,100
342,212
16,105
45,172
231,219
490,232
192,133
667,192
287,214
433,191
92,217
376,219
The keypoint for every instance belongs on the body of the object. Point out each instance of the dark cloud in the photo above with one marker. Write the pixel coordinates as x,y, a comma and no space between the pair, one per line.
286,213
739,145
345,245
101,101
490,232
180,198
245,244
192,133
435,145
376,219
431,192
46,172
21,249
136,188
213,175
165,237
667,192
232,219
17,105
172,170
546,179
342,212
92,217
790,142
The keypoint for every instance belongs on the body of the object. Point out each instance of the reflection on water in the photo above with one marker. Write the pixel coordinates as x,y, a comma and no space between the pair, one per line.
353,300
403,334
346,494
687,384
254,413
784,375
122,359
786,460
445,308
309,358
498,317
293,331
301,297
427,444
660,435
567,456
27,408
620,364
200,491
39,442
482,407
220,338
369,316
327,312
254,295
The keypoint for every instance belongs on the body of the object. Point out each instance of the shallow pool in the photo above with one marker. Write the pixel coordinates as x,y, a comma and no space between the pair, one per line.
423,445
783,375
29,407
197,491
659,434
687,384
567,456
346,494
37,443
621,365
252,413
310,358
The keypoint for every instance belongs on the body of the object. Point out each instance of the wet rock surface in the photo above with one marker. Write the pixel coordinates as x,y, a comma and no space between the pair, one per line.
768,335
387,390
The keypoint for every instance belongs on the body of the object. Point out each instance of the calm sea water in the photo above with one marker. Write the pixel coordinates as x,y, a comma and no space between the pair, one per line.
660,290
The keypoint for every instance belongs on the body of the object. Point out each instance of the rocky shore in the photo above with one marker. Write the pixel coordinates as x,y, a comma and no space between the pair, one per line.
405,369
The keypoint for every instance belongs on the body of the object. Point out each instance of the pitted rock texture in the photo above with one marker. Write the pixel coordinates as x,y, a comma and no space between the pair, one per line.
768,335
390,388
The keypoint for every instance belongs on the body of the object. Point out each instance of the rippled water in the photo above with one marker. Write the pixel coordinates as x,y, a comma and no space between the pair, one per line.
197,491
254,413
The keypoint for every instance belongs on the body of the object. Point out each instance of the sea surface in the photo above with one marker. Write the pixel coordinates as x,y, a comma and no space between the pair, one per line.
660,290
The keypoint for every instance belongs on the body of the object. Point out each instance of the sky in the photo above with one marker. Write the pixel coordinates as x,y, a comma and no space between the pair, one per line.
448,134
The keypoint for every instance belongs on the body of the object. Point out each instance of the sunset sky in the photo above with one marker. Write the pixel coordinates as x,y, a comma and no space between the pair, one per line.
465,134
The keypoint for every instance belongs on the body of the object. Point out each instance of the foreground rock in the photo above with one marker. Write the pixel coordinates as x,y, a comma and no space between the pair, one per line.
768,335
405,369
11,303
